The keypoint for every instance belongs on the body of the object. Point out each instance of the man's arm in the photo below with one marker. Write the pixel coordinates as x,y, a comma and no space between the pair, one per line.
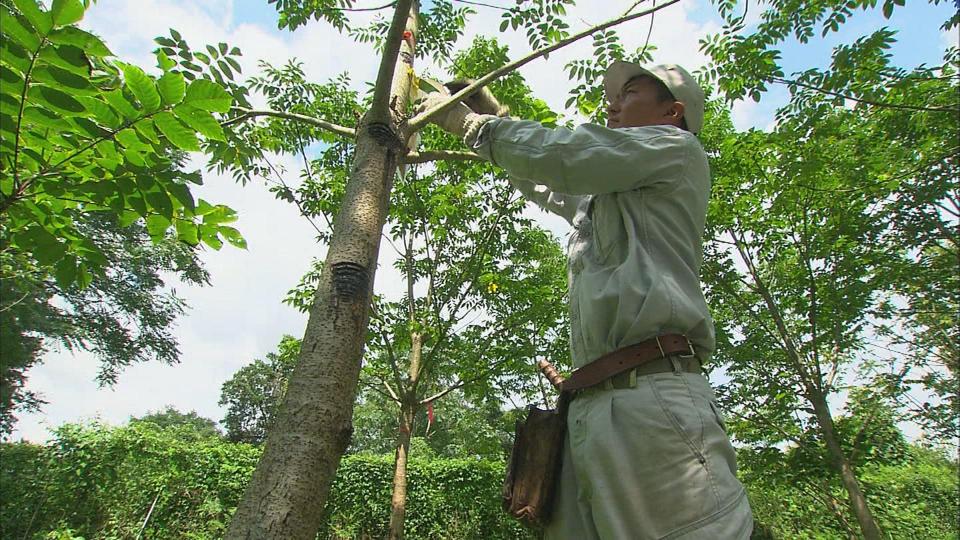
588,160
561,204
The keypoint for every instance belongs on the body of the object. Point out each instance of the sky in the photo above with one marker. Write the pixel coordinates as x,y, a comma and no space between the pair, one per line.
239,317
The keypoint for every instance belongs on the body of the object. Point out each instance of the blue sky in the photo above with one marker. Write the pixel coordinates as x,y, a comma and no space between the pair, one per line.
240,317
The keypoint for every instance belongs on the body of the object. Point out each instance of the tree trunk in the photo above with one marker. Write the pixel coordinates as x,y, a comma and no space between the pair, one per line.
408,410
398,502
840,462
286,496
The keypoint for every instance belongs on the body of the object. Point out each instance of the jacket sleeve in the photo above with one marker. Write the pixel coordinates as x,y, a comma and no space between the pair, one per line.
561,204
591,159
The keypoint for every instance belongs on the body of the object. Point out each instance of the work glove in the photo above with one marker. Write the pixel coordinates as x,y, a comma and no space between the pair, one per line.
454,120
482,101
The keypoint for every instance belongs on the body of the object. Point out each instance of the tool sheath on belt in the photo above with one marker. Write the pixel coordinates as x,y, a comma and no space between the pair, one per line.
626,358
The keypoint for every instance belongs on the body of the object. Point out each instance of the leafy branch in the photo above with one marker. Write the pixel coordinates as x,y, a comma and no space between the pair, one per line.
416,123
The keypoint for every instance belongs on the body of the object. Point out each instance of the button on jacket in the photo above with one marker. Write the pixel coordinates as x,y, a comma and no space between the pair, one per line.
636,198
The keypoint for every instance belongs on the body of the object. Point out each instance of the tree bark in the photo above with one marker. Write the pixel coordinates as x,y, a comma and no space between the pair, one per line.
398,502
408,410
286,496
840,462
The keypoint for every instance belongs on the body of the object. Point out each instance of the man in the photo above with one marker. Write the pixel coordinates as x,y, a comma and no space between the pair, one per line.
646,454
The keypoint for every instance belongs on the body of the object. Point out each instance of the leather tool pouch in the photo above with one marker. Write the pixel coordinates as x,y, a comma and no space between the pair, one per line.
534,468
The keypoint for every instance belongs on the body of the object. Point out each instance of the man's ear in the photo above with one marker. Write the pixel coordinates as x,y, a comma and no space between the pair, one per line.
675,112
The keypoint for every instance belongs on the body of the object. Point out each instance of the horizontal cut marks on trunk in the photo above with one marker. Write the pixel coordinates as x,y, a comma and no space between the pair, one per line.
350,280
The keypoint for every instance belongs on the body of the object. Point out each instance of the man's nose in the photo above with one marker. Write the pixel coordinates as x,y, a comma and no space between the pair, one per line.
613,106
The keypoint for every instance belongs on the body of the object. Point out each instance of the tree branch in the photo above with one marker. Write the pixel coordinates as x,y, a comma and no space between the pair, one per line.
437,155
421,119
379,108
472,3
954,110
316,122
378,8
461,383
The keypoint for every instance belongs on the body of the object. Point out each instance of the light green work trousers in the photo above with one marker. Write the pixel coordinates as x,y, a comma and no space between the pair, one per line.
649,462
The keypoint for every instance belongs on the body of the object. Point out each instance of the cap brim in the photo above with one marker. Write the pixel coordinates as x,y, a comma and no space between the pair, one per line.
618,74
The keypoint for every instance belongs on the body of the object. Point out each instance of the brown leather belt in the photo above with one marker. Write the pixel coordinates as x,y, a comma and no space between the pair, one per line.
627,358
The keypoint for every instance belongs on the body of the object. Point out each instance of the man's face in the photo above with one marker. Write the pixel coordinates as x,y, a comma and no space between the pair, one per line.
637,104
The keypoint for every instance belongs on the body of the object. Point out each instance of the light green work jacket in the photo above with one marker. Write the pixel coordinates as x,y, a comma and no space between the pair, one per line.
637,201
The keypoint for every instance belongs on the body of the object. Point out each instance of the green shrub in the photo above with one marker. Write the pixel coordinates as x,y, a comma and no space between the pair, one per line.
99,482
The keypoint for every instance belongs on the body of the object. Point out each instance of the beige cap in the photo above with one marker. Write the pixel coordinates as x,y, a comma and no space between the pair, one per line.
681,84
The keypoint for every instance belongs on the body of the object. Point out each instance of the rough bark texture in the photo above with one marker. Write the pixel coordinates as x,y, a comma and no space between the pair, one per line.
858,502
286,496
408,411
398,502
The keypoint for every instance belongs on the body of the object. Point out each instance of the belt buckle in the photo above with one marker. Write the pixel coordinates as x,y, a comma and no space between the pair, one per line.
693,353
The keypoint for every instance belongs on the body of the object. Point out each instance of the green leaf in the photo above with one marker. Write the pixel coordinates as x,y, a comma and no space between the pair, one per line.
129,139
40,116
66,12
219,214
66,271
71,35
233,236
144,128
84,278
187,232
40,19
127,218
57,100
61,78
14,56
15,29
12,83
164,62
160,201
157,226
121,104
135,157
172,88
142,87
176,133
68,57
46,248
208,95
201,121
208,233
101,111
182,194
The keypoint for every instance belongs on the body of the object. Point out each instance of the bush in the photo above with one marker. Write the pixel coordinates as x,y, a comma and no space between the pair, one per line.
100,482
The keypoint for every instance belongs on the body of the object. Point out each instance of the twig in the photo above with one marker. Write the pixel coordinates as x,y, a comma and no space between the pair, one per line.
149,512
322,124
378,8
482,4
646,42
954,110
421,119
